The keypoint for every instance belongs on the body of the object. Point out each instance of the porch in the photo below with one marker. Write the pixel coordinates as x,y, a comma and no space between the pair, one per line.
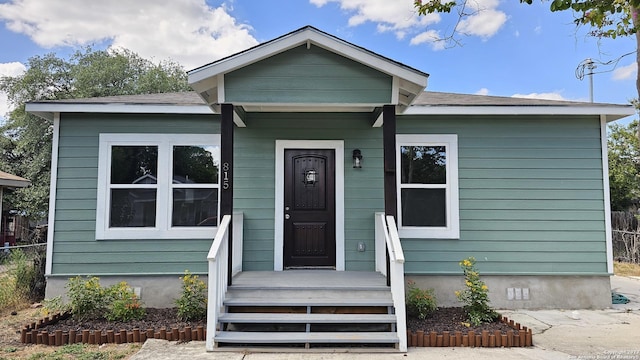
305,308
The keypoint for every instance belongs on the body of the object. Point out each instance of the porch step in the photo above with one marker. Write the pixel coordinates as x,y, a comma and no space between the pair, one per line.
307,337
287,318
308,308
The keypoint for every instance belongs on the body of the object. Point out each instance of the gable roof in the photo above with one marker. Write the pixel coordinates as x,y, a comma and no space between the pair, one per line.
10,180
208,80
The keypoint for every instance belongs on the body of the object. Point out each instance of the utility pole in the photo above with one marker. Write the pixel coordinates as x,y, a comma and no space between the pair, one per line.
590,67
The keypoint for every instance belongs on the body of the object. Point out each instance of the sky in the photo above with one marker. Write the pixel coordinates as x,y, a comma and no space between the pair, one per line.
505,49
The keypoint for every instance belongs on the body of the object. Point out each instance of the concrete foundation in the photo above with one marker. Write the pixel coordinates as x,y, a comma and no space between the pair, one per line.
527,292
505,292
154,291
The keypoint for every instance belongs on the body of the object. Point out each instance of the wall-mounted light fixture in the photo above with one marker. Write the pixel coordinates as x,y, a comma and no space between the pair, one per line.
357,159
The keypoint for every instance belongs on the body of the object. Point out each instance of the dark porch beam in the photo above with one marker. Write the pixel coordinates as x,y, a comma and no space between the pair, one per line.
390,191
226,172
389,143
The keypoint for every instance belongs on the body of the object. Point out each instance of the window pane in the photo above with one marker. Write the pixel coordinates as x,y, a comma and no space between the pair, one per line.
424,207
195,164
134,164
133,208
423,164
195,207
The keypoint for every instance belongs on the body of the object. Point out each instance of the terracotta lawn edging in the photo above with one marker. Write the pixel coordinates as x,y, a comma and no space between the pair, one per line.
520,336
35,333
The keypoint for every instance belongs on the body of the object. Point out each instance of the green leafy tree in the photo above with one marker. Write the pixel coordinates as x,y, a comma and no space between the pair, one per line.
25,147
624,165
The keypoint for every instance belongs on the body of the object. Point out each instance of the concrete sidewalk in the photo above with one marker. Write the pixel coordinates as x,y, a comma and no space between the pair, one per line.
558,334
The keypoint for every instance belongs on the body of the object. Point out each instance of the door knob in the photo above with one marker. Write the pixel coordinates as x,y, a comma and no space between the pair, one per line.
286,216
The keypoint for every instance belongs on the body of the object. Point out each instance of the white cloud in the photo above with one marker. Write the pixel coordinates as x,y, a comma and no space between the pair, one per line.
484,24
189,31
430,37
483,91
400,17
8,69
538,30
625,72
397,16
544,96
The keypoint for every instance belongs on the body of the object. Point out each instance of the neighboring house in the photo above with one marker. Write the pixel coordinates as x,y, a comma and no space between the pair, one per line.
304,139
7,223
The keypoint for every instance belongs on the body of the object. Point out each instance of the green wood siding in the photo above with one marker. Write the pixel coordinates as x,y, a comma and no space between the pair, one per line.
255,179
302,75
76,250
531,193
531,196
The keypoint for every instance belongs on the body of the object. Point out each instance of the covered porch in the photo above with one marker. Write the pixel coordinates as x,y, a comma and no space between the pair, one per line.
305,308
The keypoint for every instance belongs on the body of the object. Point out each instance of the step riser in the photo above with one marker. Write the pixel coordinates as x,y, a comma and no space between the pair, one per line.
307,317
310,294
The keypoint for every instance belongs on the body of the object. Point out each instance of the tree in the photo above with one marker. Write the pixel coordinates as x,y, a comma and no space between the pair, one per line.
25,147
624,165
607,18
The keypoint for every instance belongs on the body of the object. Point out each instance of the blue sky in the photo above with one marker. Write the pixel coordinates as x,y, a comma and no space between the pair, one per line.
507,49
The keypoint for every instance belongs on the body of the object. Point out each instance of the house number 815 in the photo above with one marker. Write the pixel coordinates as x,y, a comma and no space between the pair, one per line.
225,178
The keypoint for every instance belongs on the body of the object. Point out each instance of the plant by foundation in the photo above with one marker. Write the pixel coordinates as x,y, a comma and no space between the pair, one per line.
476,295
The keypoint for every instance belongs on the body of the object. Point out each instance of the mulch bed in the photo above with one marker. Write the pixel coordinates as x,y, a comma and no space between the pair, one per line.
444,328
448,327
163,324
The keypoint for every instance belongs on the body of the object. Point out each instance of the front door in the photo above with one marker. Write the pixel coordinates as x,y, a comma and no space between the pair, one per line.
309,208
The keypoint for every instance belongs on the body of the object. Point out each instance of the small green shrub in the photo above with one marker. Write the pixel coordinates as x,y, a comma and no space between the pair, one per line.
88,300
420,302
16,284
53,305
21,268
476,295
192,304
124,303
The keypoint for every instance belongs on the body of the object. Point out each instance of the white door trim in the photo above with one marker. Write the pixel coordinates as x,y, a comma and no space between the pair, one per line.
281,145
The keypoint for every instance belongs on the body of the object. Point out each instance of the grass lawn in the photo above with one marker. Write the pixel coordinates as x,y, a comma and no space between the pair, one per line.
626,269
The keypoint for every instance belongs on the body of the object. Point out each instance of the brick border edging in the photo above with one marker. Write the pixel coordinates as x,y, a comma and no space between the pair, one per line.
34,334
520,336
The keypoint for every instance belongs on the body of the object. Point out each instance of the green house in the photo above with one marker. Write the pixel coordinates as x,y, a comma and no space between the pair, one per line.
329,177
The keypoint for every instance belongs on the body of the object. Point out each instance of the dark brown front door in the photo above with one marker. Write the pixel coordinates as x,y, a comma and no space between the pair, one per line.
309,208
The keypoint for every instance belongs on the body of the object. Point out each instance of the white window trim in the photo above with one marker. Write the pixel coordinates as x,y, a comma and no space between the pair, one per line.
452,230
163,228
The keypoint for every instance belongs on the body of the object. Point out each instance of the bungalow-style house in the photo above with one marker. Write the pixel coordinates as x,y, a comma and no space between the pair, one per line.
329,177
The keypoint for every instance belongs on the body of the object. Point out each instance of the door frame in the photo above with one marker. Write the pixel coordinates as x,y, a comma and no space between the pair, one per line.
281,145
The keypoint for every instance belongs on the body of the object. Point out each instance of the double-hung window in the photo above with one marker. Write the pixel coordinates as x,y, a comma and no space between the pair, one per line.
428,186
157,186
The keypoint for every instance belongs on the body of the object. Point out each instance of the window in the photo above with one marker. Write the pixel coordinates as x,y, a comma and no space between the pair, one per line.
157,186
428,186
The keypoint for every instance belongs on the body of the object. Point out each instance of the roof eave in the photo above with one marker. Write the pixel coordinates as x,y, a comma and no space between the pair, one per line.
610,113
46,110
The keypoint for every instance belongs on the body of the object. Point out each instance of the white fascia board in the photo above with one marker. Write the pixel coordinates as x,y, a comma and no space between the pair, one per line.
307,107
610,112
45,110
296,39
381,64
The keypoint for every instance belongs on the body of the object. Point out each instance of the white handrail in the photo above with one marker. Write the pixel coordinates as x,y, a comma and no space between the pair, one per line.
387,225
218,259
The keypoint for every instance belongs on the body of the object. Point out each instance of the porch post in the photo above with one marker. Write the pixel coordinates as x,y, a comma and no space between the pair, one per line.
390,190
226,176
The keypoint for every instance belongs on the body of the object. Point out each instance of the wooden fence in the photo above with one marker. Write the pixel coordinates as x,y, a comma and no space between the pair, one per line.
626,236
